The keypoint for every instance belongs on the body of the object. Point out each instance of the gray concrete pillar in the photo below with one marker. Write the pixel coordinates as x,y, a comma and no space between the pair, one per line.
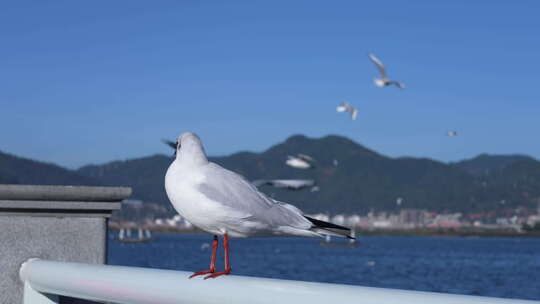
60,223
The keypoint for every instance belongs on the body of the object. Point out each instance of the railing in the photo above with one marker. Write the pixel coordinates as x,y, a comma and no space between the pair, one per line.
45,280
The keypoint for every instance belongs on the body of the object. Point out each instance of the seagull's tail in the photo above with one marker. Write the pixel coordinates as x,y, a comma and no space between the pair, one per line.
326,228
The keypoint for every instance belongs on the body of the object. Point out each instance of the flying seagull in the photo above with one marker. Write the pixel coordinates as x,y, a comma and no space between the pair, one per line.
383,81
300,161
451,133
346,107
291,184
225,204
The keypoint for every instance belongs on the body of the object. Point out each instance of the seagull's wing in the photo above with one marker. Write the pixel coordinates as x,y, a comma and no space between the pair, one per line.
398,84
289,184
354,113
306,157
294,183
259,182
378,64
233,191
276,184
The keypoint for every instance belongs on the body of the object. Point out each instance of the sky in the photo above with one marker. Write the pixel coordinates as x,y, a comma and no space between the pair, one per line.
94,81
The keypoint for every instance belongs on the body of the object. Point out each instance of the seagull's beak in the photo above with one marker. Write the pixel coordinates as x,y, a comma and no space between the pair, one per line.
171,144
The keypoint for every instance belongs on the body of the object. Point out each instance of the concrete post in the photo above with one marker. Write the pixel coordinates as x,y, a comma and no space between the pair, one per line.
60,223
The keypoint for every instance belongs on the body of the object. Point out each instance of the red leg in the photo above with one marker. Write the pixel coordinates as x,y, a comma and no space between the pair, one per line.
212,260
227,269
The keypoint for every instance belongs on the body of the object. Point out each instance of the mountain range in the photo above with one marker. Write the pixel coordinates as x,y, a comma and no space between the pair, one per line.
363,180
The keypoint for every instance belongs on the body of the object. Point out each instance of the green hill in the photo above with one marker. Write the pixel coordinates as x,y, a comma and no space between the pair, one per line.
485,164
18,170
145,175
363,180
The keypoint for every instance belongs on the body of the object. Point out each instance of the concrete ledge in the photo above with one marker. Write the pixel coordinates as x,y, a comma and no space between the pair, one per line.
63,193
12,204
63,223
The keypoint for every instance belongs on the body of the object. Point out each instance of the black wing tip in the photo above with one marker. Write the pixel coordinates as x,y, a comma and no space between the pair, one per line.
323,224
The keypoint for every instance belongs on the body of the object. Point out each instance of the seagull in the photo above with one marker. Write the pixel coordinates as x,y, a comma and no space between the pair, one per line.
301,161
451,133
224,203
346,107
291,184
384,80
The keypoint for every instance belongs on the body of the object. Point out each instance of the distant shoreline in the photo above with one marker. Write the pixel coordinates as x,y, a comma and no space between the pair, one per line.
448,233
388,232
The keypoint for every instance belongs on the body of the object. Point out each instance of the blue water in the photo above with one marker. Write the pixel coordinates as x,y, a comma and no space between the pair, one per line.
499,267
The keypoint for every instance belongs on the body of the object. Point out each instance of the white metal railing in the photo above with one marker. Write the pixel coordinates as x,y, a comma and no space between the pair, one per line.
44,280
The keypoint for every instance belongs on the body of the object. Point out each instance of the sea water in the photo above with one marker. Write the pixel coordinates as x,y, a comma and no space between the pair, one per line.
499,267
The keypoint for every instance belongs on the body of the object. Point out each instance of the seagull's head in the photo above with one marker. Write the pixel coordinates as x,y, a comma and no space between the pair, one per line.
189,148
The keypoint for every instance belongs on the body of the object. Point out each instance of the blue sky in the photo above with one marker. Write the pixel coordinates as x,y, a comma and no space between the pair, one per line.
94,81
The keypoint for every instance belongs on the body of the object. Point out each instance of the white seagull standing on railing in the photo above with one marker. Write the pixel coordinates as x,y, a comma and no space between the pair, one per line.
222,202
384,80
346,107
